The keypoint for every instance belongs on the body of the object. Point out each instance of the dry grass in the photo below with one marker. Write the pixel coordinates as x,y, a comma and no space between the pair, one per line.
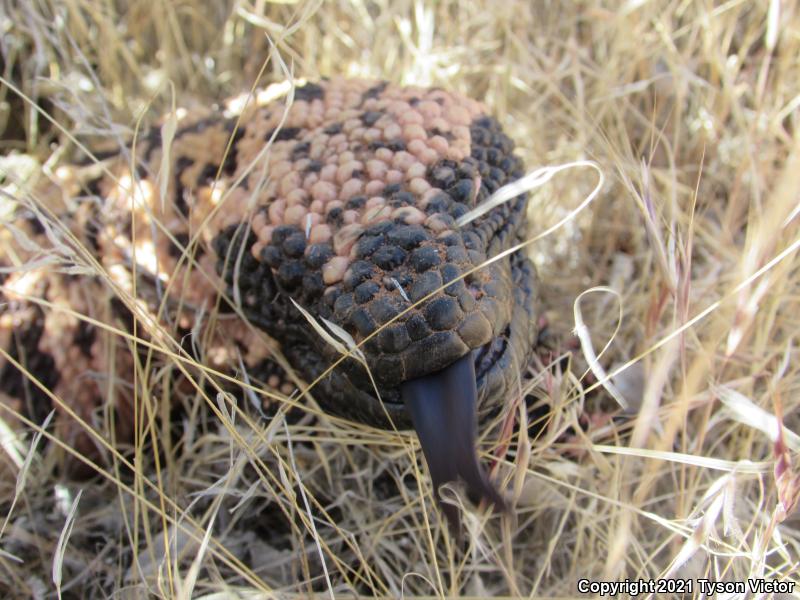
690,110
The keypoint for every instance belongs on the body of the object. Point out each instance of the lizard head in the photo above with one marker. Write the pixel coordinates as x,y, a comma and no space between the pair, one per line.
358,225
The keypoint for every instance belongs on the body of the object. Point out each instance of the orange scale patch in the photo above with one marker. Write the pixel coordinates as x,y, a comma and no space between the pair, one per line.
351,188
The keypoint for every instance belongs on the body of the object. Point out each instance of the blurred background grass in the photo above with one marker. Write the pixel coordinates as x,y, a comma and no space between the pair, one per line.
691,111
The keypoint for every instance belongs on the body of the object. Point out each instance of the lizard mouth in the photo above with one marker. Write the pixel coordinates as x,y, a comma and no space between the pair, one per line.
443,409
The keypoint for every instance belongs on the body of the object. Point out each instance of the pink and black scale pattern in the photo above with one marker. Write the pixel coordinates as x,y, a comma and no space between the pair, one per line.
345,201
358,223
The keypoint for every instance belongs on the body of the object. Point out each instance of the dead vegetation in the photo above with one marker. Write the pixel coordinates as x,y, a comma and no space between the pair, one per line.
688,255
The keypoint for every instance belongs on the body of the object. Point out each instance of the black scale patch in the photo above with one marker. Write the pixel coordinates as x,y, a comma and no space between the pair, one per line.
41,365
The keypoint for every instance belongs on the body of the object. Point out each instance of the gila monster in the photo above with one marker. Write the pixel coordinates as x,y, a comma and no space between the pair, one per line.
345,204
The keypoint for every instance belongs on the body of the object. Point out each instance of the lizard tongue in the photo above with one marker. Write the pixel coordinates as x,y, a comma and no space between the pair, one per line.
443,409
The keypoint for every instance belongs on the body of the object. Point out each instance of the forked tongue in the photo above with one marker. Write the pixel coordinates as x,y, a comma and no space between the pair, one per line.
443,409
